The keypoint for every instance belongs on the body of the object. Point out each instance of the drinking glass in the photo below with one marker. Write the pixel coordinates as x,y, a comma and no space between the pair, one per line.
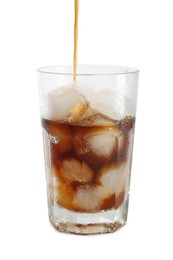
88,131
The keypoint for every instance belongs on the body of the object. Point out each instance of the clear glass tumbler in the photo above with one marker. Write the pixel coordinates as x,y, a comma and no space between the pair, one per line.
88,129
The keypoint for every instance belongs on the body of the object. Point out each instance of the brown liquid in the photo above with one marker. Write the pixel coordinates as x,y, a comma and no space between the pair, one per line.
82,168
76,7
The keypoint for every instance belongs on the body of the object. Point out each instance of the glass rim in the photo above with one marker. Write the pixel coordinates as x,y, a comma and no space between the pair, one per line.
114,70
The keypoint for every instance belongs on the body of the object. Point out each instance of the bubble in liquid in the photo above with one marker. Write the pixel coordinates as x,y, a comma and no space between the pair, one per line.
54,139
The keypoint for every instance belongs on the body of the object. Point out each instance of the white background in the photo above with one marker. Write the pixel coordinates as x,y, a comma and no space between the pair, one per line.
36,33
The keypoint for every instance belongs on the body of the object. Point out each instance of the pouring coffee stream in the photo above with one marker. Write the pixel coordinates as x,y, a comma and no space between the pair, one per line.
76,9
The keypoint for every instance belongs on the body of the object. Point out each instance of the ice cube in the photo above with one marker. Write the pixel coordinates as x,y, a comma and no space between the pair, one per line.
98,145
103,142
114,178
100,141
110,103
88,198
73,170
108,142
62,101
114,181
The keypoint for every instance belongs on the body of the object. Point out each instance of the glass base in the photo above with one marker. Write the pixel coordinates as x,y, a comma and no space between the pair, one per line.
88,223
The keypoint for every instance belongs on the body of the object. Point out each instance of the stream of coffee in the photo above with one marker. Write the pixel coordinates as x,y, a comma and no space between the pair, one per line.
76,9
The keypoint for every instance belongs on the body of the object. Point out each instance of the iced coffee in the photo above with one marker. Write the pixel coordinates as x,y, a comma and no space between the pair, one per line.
88,140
